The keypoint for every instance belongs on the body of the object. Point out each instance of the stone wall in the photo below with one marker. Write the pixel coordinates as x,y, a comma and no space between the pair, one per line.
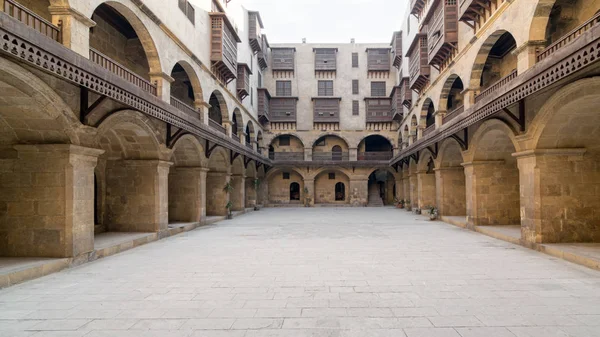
217,198
325,188
187,193
451,191
279,188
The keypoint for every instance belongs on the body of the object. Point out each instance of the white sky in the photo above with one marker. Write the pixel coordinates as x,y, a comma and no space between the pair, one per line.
329,21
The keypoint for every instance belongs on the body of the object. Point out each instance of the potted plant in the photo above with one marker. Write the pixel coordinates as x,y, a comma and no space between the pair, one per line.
417,210
256,185
307,197
433,213
397,203
408,205
228,207
402,203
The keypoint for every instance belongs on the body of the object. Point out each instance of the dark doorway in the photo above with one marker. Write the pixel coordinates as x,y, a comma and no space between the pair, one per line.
340,192
294,191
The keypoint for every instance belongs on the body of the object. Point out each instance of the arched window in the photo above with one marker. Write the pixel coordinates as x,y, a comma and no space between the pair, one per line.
340,192
336,153
294,191
214,112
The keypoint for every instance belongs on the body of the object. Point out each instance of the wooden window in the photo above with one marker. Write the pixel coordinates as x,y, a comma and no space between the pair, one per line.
377,89
286,175
325,88
354,87
354,60
355,108
378,59
283,58
325,59
331,176
284,141
188,10
260,84
283,88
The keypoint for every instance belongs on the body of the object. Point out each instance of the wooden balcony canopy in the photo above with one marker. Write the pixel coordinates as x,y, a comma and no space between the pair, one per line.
419,68
470,10
243,80
255,24
379,109
405,92
283,109
224,41
264,100
325,59
262,54
442,30
416,7
378,59
400,96
283,58
397,49
326,110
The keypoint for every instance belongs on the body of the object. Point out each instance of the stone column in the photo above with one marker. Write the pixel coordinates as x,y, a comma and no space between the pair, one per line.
439,118
526,54
492,192
310,185
406,182
450,191
238,195
137,195
559,193
202,108
263,192
217,198
163,85
228,128
75,28
187,193
420,130
399,189
353,154
469,97
47,201
426,189
414,190
251,193
359,192
307,154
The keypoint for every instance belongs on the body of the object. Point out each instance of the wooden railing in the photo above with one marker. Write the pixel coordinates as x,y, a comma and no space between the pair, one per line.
249,145
28,17
453,114
492,88
215,125
121,71
428,130
379,155
286,156
235,137
184,107
330,156
568,38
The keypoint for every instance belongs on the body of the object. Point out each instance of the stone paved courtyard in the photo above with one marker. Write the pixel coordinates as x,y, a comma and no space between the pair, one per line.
313,272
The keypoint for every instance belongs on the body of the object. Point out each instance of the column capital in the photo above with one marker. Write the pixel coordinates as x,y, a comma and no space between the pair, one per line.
67,10
162,75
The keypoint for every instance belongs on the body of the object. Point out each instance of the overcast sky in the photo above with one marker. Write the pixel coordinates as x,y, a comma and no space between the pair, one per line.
329,21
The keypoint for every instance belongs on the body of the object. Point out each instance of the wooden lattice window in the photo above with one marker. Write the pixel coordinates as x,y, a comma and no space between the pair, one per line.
354,87
283,58
188,10
377,89
354,60
283,88
355,108
325,58
325,88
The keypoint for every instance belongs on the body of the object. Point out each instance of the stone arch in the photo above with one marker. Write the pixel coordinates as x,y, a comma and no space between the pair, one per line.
286,147
483,147
548,16
238,181
449,99
279,181
450,154
148,44
426,180
325,181
188,152
219,160
380,186
216,179
428,113
330,147
218,110
389,140
250,132
450,180
292,135
192,78
484,52
425,159
331,134
237,122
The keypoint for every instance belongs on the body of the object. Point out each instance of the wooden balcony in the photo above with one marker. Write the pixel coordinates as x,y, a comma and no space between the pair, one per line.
255,25
442,31
469,11
28,17
263,61
224,42
397,49
283,59
330,156
419,68
243,80
429,130
121,71
405,92
375,156
400,94
325,59
264,100
326,110
286,156
378,59
569,37
452,114
184,107
283,109
379,109
497,85
417,6
235,137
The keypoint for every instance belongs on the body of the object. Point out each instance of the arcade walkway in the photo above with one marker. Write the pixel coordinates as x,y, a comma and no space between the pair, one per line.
313,272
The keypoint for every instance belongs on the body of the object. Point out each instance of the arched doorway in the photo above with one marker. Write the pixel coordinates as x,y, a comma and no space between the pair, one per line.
340,192
495,60
381,188
294,192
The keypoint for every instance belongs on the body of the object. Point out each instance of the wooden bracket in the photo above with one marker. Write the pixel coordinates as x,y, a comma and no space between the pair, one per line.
232,156
247,161
173,137
434,151
520,119
463,142
415,157
85,109
208,149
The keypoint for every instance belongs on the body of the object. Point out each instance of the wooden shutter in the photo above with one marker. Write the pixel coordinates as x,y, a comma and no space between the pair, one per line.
378,59
354,60
283,58
283,88
355,108
355,87
325,59
191,13
325,88
182,5
377,89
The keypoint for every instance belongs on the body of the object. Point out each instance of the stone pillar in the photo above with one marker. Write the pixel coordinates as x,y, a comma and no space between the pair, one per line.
469,97
450,191
439,118
353,154
406,182
47,201
310,185
228,128
559,196
202,108
526,54
163,85
263,192
414,190
238,195
307,154
137,195
399,189
187,194
359,192
75,28
420,130
492,192
426,189
251,193
215,184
